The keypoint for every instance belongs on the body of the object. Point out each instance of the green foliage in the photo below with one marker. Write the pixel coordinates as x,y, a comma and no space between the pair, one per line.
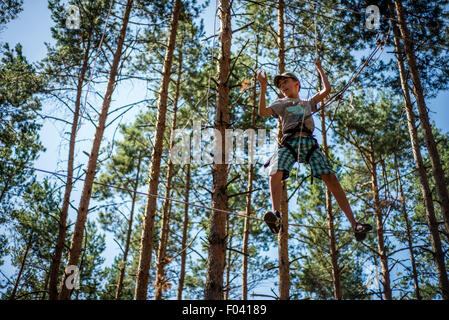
19,127
33,223
9,10
369,120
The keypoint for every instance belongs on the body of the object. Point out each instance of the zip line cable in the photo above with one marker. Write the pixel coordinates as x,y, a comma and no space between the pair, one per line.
207,118
238,214
380,45
332,99
308,95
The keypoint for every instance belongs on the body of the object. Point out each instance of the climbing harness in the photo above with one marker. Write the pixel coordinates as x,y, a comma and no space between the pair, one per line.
301,127
290,133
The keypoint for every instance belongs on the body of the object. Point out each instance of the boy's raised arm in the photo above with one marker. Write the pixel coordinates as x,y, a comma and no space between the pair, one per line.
318,97
263,110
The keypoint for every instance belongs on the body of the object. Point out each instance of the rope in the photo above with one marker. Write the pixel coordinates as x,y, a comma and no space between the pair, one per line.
207,118
308,96
241,215
212,58
380,44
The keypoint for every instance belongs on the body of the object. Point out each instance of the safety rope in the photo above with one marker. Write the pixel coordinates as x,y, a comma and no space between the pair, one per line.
241,215
308,96
379,46
332,99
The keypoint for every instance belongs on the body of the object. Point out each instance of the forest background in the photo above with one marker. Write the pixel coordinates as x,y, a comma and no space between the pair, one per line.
34,200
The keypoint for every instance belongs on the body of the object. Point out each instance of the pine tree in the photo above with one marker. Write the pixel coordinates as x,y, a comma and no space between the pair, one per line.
150,210
76,243
368,129
217,230
438,173
162,258
424,183
126,169
9,11
33,223
19,128
74,50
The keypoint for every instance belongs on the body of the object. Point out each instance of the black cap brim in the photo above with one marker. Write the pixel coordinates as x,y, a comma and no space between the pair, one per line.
280,76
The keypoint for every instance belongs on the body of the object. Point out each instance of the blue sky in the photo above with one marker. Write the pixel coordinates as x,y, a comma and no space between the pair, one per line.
32,29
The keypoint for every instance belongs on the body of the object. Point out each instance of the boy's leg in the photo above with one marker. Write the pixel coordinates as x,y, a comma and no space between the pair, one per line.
281,164
276,190
273,219
334,186
322,168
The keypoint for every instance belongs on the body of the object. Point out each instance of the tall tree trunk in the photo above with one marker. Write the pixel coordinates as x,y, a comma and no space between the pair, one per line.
330,217
437,169
228,260
146,246
284,263
381,250
62,228
124,261
82,259
248,209
22,266
163,240
75,246
45,289
408,230
184,233
217,232
422,175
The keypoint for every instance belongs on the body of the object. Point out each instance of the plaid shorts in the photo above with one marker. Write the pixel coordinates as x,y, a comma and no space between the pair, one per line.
284,160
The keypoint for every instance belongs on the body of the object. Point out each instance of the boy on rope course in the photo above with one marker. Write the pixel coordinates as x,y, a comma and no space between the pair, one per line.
297,135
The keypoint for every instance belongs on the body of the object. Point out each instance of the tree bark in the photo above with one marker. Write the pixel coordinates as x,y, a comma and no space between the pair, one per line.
146,245
22,266
422,175
163,240
62,229
228,260
437,169
381,250
246,232
76,243
284,263
217,237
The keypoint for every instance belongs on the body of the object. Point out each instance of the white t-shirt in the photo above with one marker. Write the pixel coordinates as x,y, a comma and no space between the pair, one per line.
291,112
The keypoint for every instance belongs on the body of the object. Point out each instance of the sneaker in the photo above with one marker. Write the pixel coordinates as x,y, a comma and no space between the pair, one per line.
361,230
273,220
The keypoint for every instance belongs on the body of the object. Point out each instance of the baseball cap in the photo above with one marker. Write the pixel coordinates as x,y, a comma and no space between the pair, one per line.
284,75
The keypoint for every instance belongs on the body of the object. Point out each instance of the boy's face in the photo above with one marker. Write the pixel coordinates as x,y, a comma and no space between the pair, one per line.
289,87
